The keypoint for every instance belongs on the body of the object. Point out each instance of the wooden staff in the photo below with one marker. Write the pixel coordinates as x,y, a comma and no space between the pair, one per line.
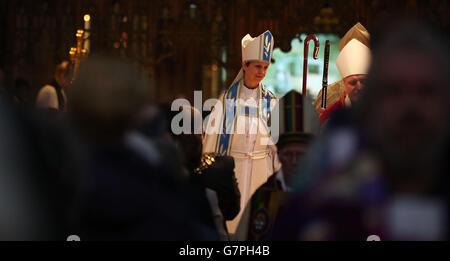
305,55
326,60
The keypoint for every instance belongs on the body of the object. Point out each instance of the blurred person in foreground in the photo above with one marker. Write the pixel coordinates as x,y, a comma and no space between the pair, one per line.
271,196
128,194
38,176
211,175
33,203
387,173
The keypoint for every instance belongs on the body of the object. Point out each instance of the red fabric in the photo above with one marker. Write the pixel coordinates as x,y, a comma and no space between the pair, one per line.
329,110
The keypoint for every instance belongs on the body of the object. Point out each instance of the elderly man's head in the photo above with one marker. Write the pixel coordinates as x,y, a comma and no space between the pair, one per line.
353,64
353,85
291,149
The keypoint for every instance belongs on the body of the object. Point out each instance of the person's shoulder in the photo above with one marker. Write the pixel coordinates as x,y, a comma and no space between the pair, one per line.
336,84
268,92
234,88
47,97
337,106
47,89
333,94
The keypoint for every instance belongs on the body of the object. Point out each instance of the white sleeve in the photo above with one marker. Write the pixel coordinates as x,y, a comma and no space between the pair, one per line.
47,98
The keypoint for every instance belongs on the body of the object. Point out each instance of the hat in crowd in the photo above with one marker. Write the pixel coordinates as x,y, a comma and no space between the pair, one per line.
354,59
294,137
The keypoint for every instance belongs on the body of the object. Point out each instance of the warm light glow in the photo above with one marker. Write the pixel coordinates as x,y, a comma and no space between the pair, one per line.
79,33
87,17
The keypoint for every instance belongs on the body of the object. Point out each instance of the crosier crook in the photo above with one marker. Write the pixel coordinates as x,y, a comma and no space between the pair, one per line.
305,54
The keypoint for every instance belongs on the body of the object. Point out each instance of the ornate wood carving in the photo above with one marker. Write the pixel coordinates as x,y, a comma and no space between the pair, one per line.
175,39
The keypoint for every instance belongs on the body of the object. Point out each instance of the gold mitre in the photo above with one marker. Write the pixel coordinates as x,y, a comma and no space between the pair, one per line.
358,32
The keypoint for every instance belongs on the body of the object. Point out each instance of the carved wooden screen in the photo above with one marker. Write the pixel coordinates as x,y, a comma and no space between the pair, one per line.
184,45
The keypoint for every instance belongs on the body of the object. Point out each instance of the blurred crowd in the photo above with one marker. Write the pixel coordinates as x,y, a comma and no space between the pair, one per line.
91,157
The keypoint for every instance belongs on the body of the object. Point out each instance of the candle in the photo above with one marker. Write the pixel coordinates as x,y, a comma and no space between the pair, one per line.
87,22
87,27
86,45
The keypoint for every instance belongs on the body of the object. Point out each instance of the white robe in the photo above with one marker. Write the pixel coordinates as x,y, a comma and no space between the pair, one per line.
255,161
47,98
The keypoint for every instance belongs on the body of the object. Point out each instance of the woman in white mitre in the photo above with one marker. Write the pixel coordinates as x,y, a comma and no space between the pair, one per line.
239,126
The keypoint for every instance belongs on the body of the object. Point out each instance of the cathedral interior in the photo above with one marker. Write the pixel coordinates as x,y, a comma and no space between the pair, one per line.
183,45
90,146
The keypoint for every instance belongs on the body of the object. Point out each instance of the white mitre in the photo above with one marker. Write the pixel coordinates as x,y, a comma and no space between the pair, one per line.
256,49
354,59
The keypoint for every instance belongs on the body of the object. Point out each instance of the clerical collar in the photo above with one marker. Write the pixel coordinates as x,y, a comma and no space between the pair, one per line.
250,88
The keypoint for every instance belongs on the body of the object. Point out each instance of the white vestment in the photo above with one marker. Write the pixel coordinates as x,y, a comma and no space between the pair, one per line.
47,98
255,158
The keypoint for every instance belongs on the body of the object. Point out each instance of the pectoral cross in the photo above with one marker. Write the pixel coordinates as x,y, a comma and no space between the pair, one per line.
77,54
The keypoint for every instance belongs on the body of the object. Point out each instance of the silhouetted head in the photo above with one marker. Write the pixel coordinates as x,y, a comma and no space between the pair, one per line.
106,97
